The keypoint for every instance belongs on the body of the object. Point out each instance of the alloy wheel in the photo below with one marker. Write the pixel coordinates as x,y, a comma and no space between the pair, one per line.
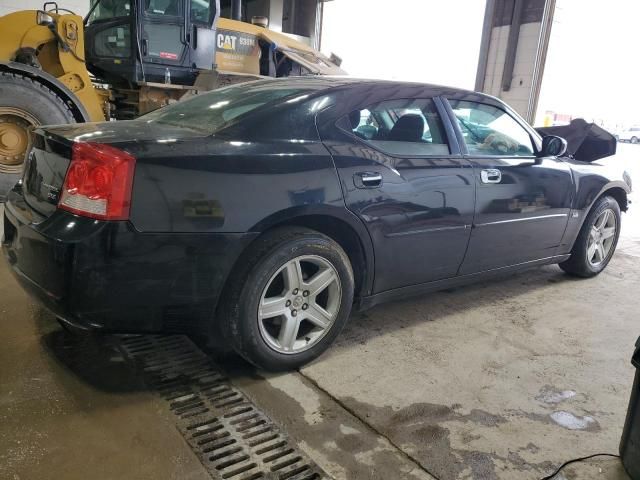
601,237
299,304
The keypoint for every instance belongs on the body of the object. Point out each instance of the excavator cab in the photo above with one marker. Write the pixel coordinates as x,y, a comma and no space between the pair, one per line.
133,42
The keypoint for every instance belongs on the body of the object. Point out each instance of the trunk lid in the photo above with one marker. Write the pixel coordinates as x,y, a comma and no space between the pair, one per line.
44,172
50,154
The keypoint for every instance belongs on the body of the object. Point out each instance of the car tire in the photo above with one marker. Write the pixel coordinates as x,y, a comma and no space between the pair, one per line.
634,140
274,308
593,249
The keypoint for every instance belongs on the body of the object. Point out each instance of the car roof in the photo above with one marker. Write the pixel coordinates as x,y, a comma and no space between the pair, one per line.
317,82
320,84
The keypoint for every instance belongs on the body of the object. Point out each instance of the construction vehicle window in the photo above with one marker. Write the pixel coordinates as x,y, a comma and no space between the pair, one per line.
107,9
201,11
163,7
401,127
113,42
488,130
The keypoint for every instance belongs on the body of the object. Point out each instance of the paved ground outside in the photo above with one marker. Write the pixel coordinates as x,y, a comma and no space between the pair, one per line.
501,380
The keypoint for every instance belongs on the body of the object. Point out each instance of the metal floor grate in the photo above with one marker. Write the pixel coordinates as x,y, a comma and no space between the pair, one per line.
232,437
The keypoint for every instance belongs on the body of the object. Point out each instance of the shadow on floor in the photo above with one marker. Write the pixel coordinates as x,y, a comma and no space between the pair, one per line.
96,360
92,358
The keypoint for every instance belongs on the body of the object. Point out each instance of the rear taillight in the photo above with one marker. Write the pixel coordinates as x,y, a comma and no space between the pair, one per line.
98,182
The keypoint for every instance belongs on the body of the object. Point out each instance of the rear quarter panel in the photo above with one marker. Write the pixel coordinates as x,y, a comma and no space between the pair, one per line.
229,186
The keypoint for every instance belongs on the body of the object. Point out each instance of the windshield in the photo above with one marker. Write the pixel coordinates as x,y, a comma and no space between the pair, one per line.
214,110
107,9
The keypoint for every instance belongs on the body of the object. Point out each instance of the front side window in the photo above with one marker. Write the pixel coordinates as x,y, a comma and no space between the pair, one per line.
488,130
113,42
400,127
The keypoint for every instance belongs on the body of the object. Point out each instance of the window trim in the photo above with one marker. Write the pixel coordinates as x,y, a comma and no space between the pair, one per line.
535,139
452,140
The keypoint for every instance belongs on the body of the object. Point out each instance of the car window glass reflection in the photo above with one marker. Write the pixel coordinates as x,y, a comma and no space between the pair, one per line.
487,130
214,110
401,127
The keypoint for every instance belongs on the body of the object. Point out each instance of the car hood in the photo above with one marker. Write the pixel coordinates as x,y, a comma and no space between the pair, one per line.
586,142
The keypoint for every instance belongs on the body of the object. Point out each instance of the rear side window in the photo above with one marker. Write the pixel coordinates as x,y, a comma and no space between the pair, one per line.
409,127
213,111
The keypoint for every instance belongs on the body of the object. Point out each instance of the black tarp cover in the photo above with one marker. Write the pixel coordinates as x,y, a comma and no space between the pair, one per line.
586,142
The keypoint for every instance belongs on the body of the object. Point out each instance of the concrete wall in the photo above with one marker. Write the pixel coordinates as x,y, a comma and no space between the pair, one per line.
81,7
518,95
532,19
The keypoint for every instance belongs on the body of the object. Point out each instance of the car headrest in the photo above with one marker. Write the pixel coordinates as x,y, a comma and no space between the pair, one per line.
408,128
354,119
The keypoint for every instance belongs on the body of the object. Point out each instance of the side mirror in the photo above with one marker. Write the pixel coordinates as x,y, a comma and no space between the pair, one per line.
553,146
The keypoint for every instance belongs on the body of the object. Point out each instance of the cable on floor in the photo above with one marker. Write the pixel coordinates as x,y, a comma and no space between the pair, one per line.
575,460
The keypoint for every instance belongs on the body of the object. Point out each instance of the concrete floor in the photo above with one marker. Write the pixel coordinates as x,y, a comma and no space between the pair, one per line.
501,380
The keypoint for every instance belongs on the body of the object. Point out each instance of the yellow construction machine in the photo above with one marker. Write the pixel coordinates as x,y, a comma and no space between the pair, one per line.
126,58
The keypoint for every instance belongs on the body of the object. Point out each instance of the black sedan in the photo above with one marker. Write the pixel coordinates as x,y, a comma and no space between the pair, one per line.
264,212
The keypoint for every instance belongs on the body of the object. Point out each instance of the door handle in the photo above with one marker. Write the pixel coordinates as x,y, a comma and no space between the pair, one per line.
367,180
490,175
144,47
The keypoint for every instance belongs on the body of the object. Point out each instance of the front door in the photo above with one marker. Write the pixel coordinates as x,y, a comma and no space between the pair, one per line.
164,32
402,174
522,202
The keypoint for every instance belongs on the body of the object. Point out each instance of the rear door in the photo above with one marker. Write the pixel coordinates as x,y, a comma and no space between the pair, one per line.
522,202
403,176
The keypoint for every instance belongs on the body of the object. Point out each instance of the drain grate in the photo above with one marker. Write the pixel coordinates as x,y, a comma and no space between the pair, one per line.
232,437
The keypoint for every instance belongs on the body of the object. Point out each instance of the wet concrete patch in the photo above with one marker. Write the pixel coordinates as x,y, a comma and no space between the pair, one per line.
420,430
343,445
572,422
552,395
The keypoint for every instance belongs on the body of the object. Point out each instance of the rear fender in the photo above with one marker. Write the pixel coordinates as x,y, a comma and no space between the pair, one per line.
297,215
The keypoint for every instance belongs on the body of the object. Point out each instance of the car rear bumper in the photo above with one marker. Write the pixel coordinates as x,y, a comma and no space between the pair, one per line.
108,276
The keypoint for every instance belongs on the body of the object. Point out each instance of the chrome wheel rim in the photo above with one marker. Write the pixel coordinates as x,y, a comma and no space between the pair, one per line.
601,237
300,304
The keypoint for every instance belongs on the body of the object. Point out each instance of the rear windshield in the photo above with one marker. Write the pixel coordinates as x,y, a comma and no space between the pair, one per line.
213,111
